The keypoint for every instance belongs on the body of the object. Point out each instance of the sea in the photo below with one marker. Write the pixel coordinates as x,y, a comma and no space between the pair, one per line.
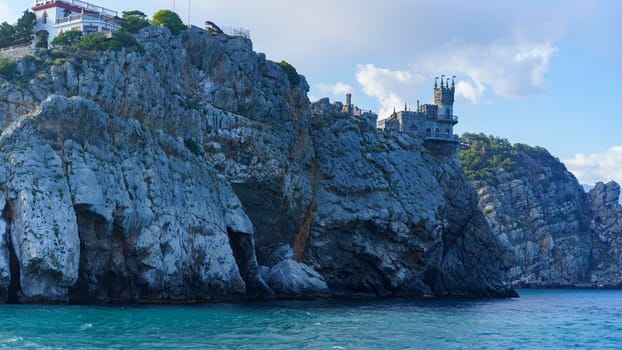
539,319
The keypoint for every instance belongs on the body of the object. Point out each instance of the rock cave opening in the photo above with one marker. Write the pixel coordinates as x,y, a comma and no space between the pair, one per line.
243,248
96,279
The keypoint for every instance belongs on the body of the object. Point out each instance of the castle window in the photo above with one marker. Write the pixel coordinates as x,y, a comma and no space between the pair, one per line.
428,130
447,131
437,131
447,111
413,128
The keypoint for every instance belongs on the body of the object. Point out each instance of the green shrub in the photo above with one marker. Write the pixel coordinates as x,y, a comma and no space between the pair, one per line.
68,38
192,146
134,21
170,20
119,40
94,41
292,75
8,68
43,40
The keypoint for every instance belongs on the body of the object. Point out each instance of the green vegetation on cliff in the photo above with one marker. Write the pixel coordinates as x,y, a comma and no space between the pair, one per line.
485,155
19,33
134,21
170,20
291,72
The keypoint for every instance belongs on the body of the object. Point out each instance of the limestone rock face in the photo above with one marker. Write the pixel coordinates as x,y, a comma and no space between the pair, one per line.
393,219
606,225
561,236
174,174
100,209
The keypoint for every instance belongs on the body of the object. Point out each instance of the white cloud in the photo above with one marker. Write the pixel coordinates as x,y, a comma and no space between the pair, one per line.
605,166
337,90
510,67
392,88
471,91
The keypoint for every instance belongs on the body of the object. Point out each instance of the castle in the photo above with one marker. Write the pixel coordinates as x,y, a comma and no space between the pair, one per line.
434,122
56,17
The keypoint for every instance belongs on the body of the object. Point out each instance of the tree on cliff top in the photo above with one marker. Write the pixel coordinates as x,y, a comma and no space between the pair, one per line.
485,155
19,33
170,20
134,21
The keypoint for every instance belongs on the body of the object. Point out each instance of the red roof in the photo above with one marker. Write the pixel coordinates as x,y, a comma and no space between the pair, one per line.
65,6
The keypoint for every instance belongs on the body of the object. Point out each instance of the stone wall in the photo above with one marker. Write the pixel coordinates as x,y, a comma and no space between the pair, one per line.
17,52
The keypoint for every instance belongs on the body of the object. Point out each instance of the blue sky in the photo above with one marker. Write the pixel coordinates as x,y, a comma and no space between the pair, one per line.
543,73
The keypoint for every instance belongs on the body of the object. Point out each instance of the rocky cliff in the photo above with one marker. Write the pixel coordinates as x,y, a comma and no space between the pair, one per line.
561,235
198,170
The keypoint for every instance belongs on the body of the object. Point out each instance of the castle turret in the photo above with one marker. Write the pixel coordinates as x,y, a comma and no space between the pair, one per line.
444,97
347,108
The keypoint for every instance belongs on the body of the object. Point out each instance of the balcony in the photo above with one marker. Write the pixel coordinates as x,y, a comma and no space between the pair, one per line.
83,17
441,137
449,118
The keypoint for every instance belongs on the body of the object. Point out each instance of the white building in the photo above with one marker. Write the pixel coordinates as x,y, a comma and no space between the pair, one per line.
56,17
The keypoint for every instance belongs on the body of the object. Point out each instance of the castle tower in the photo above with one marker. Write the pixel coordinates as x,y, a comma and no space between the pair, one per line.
444,97
348,106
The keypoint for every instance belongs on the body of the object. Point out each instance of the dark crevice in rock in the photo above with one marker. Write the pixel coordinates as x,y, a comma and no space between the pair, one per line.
243,247
96,280
273,220
14,289
303,233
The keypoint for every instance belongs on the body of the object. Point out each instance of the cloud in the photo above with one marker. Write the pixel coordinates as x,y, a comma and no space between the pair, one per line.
605,166
510,67
338,89
392,88
471,91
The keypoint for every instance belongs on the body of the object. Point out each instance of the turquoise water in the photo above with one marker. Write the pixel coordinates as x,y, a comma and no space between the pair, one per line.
555,319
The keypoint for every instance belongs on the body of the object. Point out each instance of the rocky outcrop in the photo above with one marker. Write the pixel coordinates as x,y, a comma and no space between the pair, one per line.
100,209
561,236
606,228
291,279
174,174
393,218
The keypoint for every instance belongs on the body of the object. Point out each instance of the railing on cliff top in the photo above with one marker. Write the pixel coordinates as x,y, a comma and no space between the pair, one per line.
440,137
82,4
244,33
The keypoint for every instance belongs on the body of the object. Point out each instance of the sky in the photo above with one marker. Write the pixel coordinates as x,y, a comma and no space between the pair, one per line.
543,73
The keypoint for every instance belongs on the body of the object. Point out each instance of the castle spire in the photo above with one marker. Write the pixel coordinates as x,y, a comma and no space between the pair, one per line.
442,80
453,82
406,106
435,82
